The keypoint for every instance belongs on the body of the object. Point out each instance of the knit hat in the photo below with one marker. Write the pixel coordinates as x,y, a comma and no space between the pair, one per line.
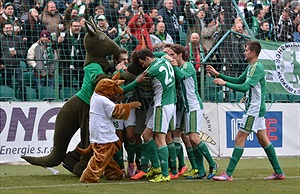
45,33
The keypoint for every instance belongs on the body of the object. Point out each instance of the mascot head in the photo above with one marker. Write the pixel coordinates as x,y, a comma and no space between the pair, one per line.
98,45
110,87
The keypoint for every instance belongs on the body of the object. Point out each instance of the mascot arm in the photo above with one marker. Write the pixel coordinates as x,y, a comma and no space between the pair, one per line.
102,76
122,111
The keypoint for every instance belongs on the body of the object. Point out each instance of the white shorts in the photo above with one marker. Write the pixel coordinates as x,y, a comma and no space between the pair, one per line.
193,121
250,123
163,119
120,124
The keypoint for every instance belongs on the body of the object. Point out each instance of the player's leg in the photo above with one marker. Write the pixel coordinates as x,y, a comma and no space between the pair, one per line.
240,139
163,116
130,142
270,150
194,118
118,156
182,168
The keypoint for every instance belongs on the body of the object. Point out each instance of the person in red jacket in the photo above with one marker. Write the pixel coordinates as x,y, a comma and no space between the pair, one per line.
139,25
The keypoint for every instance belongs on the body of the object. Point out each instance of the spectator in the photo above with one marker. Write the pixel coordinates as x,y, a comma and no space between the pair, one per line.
139,26
127,41
170,18
40,56
153,14
276,10
195,22
99,10
112,13
160,37
296,34
264,32
258,16
210,33
232,52
8,16
32,28
133,9
72,53
51,18
285,27
104,27
72,13
12,50
121,26
195,51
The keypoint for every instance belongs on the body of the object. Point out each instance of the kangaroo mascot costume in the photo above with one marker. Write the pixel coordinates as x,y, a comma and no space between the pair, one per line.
75,112
104,140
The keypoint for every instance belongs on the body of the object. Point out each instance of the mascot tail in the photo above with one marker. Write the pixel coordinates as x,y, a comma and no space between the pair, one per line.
53,159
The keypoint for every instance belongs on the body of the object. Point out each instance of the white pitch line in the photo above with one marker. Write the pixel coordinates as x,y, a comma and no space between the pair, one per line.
125,183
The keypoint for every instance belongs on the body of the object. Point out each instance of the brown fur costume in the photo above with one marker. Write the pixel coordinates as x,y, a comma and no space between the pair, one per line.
102,159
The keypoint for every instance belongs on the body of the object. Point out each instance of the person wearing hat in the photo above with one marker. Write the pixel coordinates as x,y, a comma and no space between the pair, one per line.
104,27
8,16
12,50
39,56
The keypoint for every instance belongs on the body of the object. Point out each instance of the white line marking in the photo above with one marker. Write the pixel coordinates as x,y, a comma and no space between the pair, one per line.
126,183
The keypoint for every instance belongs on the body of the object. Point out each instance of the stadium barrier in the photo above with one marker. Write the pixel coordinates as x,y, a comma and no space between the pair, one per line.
27,128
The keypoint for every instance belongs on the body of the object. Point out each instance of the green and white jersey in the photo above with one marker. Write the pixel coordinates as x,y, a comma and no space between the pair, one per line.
255,103
189,87
163,82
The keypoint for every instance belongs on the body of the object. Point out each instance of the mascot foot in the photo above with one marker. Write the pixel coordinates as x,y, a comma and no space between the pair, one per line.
70,160
80,167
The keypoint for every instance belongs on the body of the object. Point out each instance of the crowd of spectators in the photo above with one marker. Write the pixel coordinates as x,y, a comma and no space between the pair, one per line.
57,28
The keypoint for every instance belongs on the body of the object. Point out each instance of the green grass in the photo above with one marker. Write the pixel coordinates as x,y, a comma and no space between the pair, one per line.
248,178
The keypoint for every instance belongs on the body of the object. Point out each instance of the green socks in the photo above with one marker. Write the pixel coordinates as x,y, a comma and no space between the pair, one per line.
180,156
236,155
153,155
163,155
138,150
271,153
191,156
131,151
199,160
205,152
144,157
118,157
172,158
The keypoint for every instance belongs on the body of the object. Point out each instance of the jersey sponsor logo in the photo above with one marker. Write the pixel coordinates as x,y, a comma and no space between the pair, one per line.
288,67
273,127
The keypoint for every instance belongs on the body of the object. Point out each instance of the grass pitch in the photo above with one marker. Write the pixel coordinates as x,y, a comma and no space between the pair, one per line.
248,178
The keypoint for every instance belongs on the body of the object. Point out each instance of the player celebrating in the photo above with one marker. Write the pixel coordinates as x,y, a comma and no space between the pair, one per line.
193,117
252,82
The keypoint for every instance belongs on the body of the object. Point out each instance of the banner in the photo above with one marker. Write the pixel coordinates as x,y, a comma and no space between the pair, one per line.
27,128
282,129
282,66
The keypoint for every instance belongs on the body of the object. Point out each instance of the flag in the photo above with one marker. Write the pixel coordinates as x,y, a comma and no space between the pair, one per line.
282,66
